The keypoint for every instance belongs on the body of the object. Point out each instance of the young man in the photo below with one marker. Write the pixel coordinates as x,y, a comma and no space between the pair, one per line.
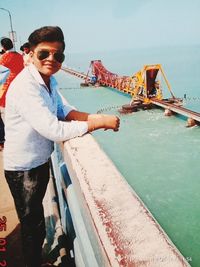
35,118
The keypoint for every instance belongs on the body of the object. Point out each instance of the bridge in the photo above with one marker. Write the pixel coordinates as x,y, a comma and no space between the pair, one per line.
170,108
147,87
76,73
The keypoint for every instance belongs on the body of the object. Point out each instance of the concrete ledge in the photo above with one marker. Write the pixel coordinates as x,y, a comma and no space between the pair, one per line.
121,229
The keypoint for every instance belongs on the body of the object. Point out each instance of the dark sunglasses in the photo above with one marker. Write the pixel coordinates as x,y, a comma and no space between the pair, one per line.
58,56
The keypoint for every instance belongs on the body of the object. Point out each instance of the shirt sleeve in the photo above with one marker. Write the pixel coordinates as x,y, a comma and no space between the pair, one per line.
63,108
34,110
2,59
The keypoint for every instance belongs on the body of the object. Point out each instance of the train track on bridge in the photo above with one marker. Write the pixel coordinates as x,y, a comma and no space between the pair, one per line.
190,114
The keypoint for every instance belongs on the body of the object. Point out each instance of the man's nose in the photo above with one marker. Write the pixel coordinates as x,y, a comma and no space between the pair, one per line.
51,57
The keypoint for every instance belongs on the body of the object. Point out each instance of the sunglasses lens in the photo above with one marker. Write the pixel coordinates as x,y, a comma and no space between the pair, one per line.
42,54
60,57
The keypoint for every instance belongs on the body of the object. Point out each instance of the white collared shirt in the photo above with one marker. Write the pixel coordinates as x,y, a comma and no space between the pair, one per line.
33,121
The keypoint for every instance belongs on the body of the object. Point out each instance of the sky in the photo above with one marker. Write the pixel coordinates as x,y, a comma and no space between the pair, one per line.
106,25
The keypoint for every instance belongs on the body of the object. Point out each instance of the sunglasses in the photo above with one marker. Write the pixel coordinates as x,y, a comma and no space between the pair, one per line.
58,56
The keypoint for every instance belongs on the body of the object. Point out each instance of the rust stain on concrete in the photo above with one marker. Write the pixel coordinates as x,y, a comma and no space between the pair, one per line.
127,230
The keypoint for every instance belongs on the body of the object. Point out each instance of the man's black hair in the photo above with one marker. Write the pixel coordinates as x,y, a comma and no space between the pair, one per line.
6,43
25,45
46,34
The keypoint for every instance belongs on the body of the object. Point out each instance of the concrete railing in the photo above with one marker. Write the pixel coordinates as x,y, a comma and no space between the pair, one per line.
111,225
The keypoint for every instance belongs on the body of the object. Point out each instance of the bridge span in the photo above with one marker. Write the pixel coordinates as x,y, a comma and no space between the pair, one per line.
78,74
170,108
147,86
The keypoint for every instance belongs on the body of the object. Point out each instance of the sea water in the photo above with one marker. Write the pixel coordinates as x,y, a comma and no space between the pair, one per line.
157,155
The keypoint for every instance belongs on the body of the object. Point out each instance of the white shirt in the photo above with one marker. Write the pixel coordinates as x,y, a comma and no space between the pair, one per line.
26,58
33,121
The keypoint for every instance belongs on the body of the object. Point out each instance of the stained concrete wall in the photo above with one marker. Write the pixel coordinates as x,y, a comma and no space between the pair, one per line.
113,227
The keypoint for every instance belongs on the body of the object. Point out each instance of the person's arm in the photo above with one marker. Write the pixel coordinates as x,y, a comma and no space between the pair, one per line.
75,115
95,121
4,73
34,110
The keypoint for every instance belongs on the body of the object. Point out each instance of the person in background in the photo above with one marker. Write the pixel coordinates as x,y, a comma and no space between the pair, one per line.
4,72
25,48
14,62
2,134
35,118
2,52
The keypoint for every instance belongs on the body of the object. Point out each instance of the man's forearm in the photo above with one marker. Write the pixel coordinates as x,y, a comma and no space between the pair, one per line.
75,115
95,121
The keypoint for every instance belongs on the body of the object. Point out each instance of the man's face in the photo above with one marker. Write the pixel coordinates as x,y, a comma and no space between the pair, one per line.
26,50
49,65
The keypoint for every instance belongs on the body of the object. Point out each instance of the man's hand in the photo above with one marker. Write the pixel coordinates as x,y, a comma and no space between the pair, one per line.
98,121
111,122
95,121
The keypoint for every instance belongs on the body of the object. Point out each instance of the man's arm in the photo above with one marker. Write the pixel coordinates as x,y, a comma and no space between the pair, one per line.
75,115
3,59
95,121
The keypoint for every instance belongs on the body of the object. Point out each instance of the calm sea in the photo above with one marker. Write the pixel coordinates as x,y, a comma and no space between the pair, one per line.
157,155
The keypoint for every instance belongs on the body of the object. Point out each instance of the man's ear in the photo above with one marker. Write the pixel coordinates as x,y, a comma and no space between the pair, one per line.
31,54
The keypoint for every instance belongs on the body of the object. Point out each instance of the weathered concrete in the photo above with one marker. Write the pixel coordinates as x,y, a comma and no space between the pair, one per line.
119,225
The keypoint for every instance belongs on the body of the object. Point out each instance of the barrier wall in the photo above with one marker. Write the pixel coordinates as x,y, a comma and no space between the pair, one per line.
111,225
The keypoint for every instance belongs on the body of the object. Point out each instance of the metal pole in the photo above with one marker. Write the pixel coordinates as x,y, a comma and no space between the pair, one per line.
11,27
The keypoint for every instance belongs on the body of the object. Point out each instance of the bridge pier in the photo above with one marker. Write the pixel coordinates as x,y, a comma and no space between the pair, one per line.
191,122
168,112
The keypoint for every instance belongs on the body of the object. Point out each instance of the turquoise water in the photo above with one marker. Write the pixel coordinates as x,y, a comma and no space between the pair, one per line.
158,155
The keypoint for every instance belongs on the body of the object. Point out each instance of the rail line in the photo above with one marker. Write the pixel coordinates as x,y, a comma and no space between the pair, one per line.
78,74
170,108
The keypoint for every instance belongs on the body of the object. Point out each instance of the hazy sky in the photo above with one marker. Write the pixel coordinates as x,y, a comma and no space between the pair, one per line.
104,25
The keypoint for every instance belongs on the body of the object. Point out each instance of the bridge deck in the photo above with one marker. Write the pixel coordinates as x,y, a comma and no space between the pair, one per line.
178,109
75,73
160,103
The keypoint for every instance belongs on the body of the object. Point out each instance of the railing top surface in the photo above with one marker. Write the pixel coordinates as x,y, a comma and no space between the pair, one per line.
126,229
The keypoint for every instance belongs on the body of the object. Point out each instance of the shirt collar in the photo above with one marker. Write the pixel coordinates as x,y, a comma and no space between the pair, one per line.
35,73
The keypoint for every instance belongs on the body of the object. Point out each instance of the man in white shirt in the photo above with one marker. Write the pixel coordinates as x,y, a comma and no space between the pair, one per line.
35,117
